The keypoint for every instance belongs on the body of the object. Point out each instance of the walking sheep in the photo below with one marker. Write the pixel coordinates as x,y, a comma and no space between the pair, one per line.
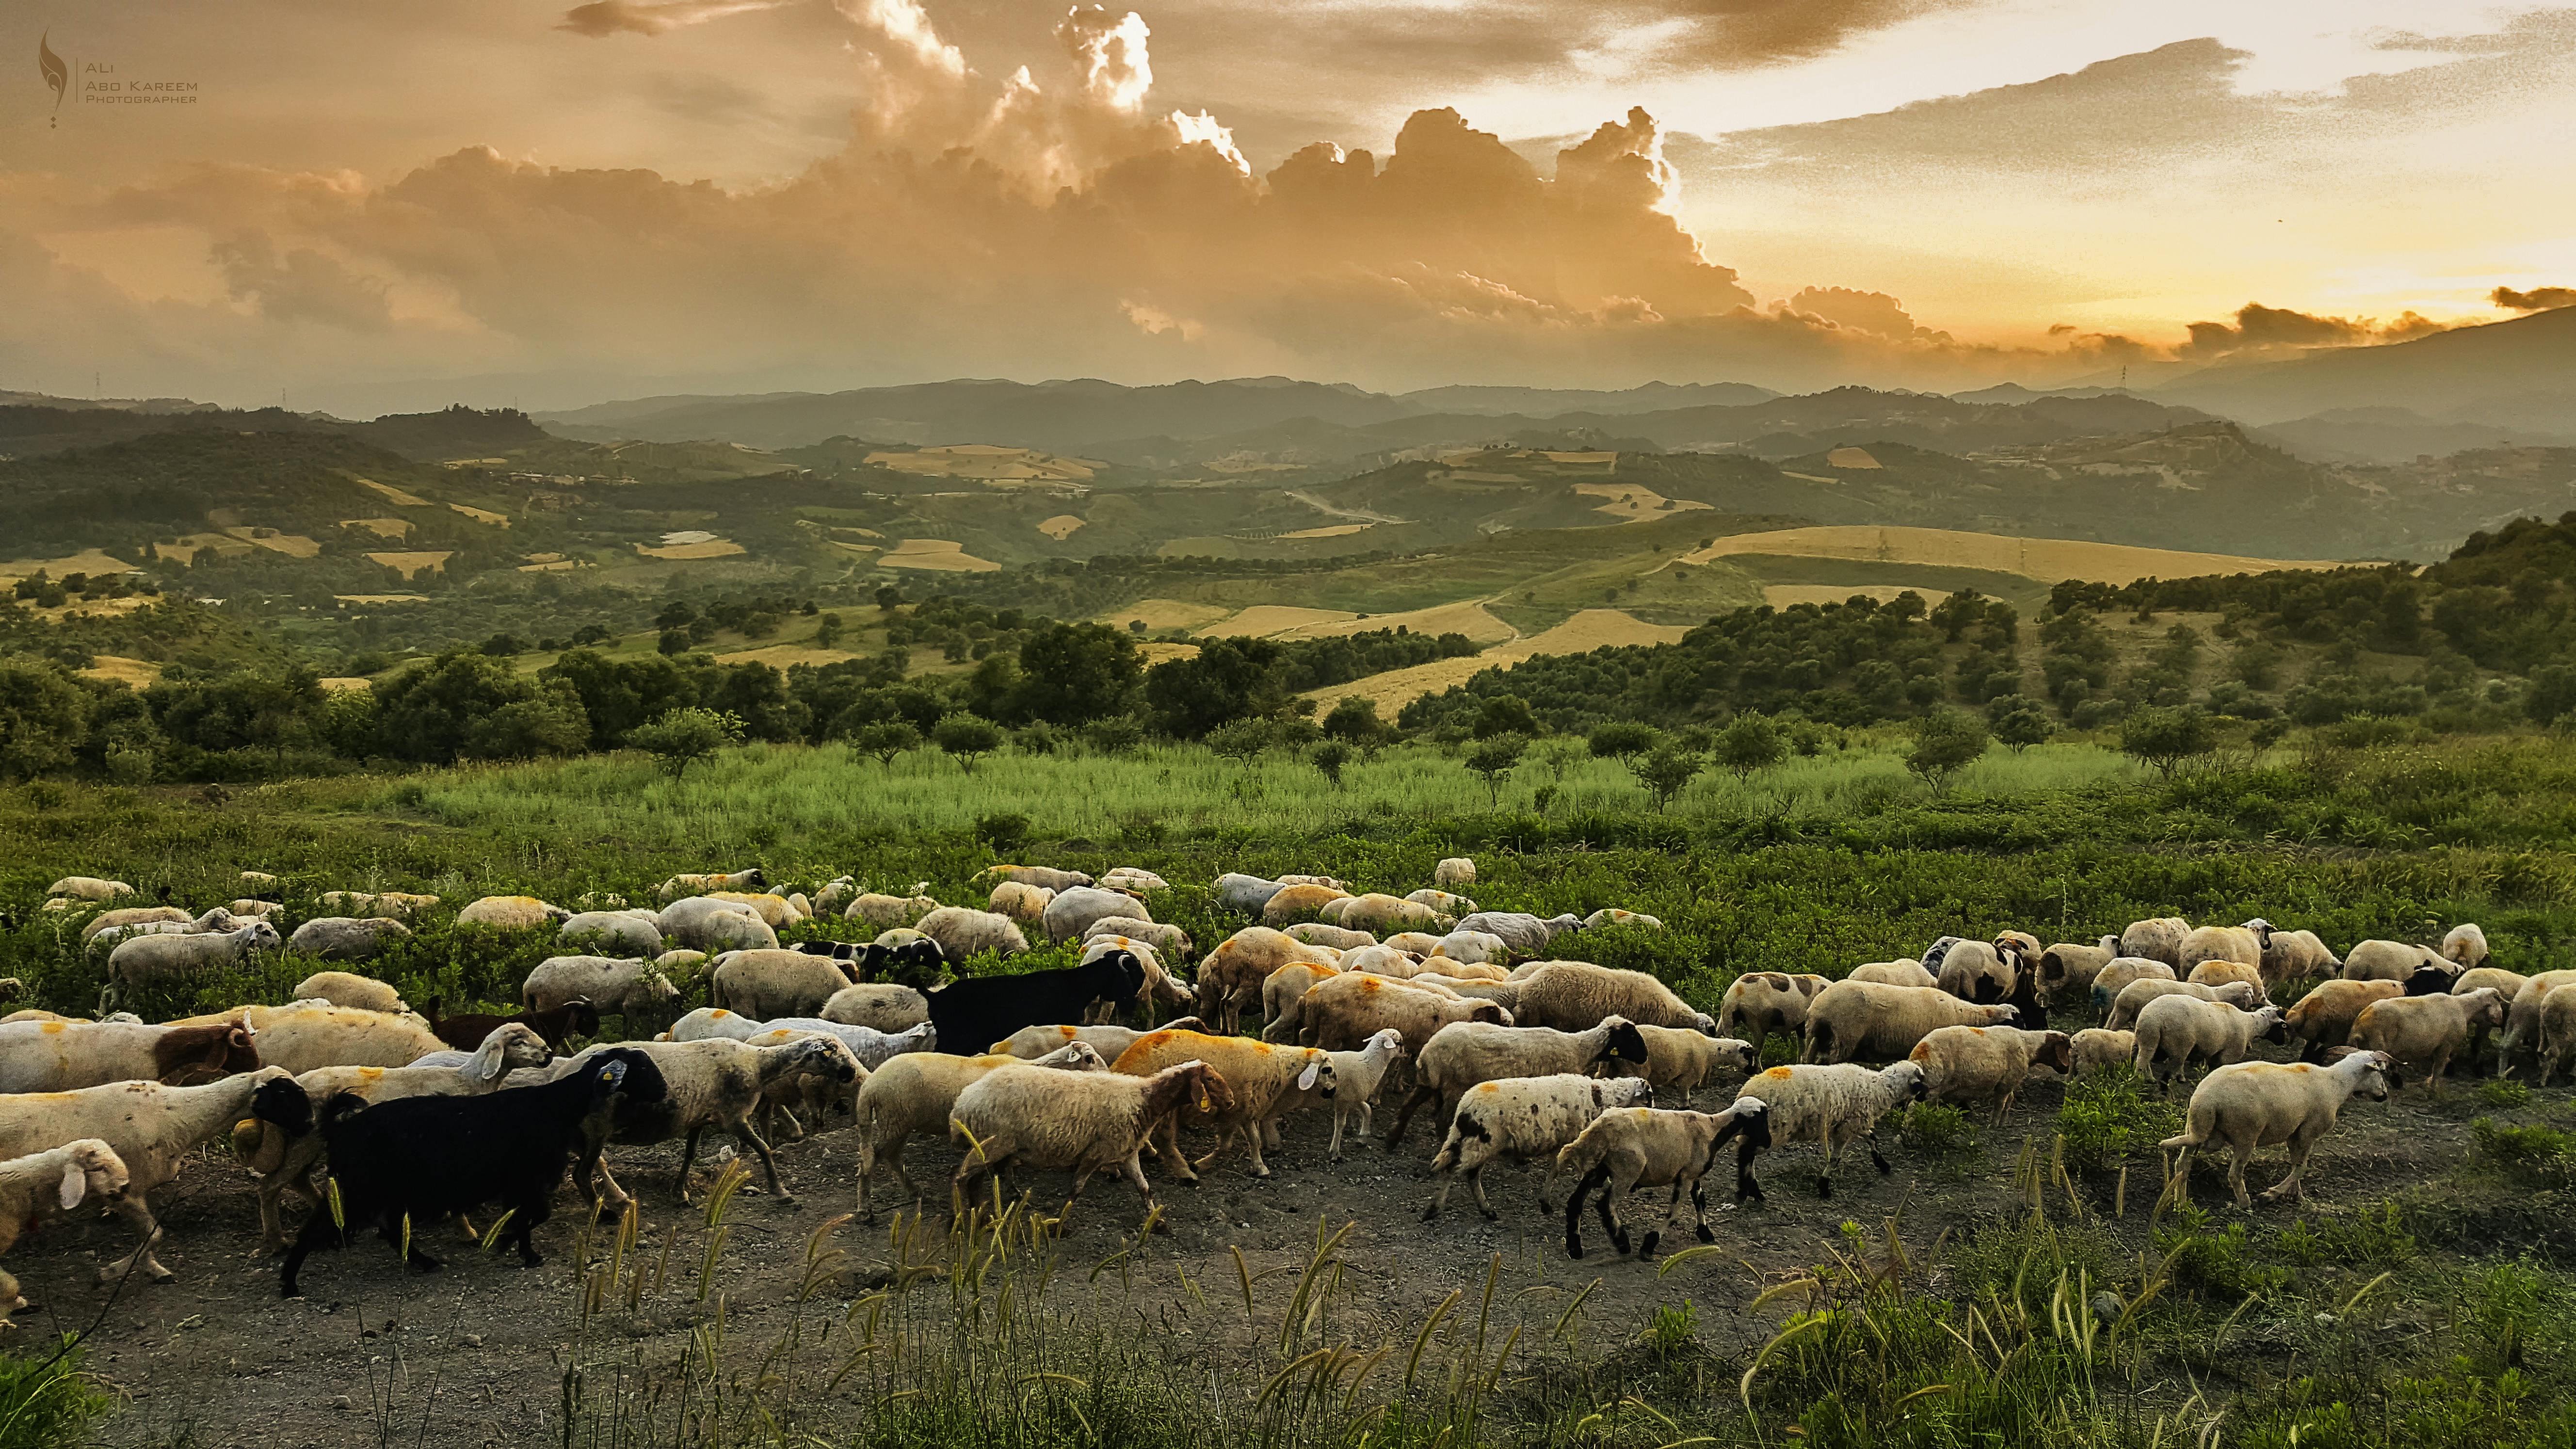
636,988
42,1186
1089,1122
2157,939
511,913
2173,1032
1345,1011
63,1056
1518,1118
1864,1019
342,988
1575,995
1641,1147
915,1093
1681,1062
2133,998
962,933
1454,872
1832,1106
763,984
1071,914
147,961
1759,1003
1464,1054
2322,1019
1268,1083
346,938
1358,1077
620,933
2424,1032
2265,1104
2068,968
1988,1064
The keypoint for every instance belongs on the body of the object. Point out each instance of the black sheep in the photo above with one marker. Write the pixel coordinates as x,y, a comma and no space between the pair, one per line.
988,1008
917,964
423,1158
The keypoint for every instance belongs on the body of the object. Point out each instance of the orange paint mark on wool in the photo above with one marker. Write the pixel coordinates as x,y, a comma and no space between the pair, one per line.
1782,1073
52,1028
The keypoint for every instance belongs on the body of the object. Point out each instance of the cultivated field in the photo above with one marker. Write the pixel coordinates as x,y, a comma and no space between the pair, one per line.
2045,559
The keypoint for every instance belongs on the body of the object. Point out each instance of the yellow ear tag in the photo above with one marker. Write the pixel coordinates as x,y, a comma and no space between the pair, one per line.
1204,1104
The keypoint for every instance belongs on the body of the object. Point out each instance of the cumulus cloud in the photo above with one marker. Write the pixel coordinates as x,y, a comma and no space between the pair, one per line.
603,18
302,285
1875,313
2260,330
2538,299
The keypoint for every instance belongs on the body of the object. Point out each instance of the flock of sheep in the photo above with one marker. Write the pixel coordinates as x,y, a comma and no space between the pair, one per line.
1523,1052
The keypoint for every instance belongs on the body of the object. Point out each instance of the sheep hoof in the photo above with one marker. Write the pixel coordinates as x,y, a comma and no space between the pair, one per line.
1491,1216
1430,1212
1879,1162
1646,1253
1573,1248
1705,1235
1824,1187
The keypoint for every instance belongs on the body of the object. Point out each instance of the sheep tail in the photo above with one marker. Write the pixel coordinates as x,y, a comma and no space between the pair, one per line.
1446,1159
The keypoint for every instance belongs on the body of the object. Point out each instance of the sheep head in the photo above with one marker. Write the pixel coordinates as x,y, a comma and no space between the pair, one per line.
1623,1042
1908,1076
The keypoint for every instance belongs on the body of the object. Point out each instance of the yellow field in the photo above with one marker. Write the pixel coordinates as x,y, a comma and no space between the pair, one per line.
2046,559
987,463
1633,504
344,683
1781,596
392,494
1161,651
482,515
1468,618
192,544
709,548
293,545
1336,530
1262,621
1060,527
412,563
1586,631
551,566
940,555
1165,613
116,669
1852,458
381,527
87,561
382,598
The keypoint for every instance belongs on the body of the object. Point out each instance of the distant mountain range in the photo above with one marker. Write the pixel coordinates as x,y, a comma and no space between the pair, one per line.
2519,374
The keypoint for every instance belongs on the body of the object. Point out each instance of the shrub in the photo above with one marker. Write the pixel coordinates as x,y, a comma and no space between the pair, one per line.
1933,1127
2105,1118
683,737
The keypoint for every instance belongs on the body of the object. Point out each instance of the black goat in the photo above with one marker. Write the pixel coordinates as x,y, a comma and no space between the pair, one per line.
988,1008
423,1158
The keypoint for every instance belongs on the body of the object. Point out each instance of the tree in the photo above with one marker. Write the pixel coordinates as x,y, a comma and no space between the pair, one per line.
1354,721
1665,771
1330,757
1623,739
1227,679
2552,693
886,739
438,712
966,736
827,631
674,641
1073,674
549,722
1505,714
44,715
2019,724
1493,759
2167,737
1239,740
1750,745
1945,742
683,737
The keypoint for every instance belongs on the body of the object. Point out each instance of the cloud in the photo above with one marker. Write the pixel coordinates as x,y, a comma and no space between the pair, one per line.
1875,313
2260,330
2538,299
603,18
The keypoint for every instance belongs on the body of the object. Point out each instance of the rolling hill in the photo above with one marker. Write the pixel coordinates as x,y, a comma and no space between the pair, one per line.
2520,373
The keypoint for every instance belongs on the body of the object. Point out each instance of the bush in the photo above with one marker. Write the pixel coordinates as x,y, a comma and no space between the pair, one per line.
683,737
1945,742
966,736
45,1400
1932,1127
1005,833
2163,739
2105,1118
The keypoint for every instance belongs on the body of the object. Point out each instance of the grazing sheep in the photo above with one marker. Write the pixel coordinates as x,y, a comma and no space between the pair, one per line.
884,912
346,938
2096,1048
2297,956
301,1036
1522,934
2465,946
2173,1032
1025,904
2263,1104
1894,973
962,932
1454,872
1090,1122
1641,1147
2508,984
1479,947
2114,978
2323,1018
1384,914
1358,1077
884,1006
835,893
43,1186
620,933
709,923
1231,976
637,989
87,888
1988,1063
1032,1042
916,1092
1317,933
213,922
1975,971
2557,1032
1517,1118
1268,1082
776,912
1680,1061
1045,877
2522,1019
554,1026
1574,995
2377,960
1830,1105
1295,903
1133,879
1442,902
1246,894
1161,988
763,984
1171,940
1759,1003
1613,916
2158,938
125,916
389,904
2070,967
1851,1019
342,988
989,1008
709,882
61,1056
1344,1012
152,1127
2244,996
1464,1054
1071,914
2425,1031
511,913
872,1048
152,960
1283,995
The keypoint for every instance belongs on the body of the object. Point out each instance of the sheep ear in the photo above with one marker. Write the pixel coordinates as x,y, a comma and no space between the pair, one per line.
1314,1069
75,1186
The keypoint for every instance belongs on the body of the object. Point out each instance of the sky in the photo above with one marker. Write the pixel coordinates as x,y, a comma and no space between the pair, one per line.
362,205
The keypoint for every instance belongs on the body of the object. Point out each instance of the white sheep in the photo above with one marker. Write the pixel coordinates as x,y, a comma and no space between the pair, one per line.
1169,939
883,911
835,893
2322,1020
2522,1019
1267,1083
962,932
1133,879
1346,1010
1358,1077
1305,902
763,984
1574,995
777,912
1091,1122
42,1186
2133,998
1317,933
1975,971
216,921
2096,1048
125,916
1035,875
1481,947
1759,1003
706,923
1230,977
1518,1118
152,960
916,1092
620,933
2465,946
342,988
2224,943
2158,938
1032,1042
880,1004
1070,915
58,1056
1680,1062
1524,934
1442,902
2378,960
394,904
702,883
346,938
1464,1054
2173,1032
1454,872
2297,956
1025,904
1904,971
511,913
718,1083
1641,1147
635,988
301,1036
2115,977
87,888
2069,967
1832,1106
1863,1018
2264,1104
2426,1031
1988,1063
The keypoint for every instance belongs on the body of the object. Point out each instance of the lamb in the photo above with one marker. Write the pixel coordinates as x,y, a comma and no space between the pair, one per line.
1246,894
1231,976
1524,934
215,921
279,1162
1442,902
131,916
882,911
1025,904
623,933
1381,913
342,988
1988,1063
1894,973
702,884
2134,997
414,1159
346,938
916,1092
1830,1105
1168,939
1070,915
1862,1018
2175,1031
152,960
631,987
989,1008
763,984
1345,1011
2260,1104
714,1083
1044,877
963,932
1573,995
1296,903
2096,1048
2322,1020
153,1128
2377,960
1358,1076
1087,1121
1462,1055
1976,971
1641,1147
41,1186
87,888
511,913
1759,1003
2114,978
2297,956
2156,939
705,923
1680,1062
554,1026
1133,879
1268,1082
882,1005
2465,946
2070,967
1518,1118
62,1056
1032,1042
2424,1031
1453,872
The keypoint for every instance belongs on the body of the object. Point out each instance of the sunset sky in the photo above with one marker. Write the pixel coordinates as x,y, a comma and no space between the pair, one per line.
368,205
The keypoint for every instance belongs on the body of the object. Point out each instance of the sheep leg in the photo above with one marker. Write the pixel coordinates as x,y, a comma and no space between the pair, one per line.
2441,1063
1825,1177
1476,1180
527,1217
1341,1118
2290,1186
1421,1093
1546,1181
1745,1184
1699,1212
1877,1159
1134,1171
1166,1140
688,1159
743,1133
134,1209
1270,1137
1613,1198
1574,1209
2241,1153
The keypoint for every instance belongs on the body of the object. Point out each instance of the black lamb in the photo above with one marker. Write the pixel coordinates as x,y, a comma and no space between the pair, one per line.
989,1008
